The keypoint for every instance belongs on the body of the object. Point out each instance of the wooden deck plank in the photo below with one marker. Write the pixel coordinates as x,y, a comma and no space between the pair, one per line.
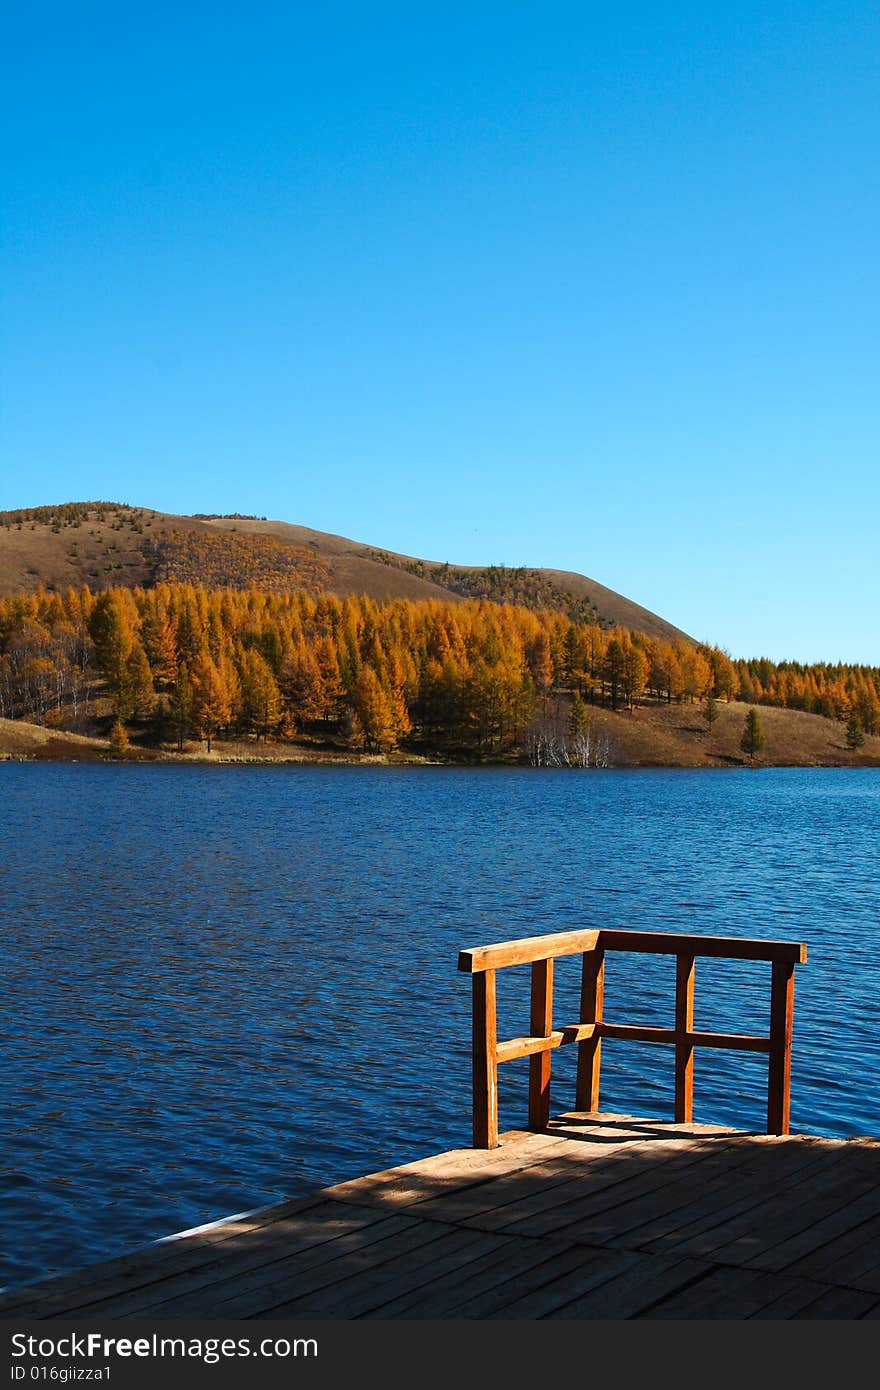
775,1190
306,1275
587,1207
526,1282
638,1285
839,1303
601,1216
736,1190
596,1268
854,1252
459,1168
453,1291
791,1301
817,1235
495,1203
720,1289
364,1291
764,1245
330,1237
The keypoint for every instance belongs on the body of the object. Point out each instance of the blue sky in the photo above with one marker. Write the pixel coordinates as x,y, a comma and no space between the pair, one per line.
579,286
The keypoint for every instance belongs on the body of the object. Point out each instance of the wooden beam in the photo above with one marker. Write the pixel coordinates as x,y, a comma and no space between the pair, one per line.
781,1020
736,1042
541,1024
513,1048
526,949
590,1050
726,947
485,1061
684,1047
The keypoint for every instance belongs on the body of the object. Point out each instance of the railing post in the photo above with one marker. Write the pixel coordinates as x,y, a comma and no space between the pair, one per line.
485,1061
541,1026
781,1020
684,1051
590,1051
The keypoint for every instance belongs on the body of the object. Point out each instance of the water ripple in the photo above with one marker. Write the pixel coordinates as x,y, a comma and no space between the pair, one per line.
248,989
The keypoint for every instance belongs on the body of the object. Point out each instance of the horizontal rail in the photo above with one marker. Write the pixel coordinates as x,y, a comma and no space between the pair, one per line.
721,947
513,1048
528,1047
737,1042
526,949
570,943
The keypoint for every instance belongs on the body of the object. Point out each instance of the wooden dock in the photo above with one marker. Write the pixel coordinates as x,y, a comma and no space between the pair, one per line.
589,1215
600,1216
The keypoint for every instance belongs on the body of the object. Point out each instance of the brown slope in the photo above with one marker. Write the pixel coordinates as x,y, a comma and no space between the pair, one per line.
616,609
114,544
105,548
357,569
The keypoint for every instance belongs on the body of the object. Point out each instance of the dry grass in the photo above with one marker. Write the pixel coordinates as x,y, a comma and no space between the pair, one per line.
677,736
653,736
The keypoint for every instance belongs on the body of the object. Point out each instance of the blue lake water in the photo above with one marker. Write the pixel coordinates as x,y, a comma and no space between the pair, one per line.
225,985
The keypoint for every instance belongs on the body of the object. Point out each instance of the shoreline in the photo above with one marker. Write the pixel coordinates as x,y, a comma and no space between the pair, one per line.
414,760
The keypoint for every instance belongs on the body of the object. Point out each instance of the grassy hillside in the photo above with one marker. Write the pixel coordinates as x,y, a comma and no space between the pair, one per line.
103,544
650,736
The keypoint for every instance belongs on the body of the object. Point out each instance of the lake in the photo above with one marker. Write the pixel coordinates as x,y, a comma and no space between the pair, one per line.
224,985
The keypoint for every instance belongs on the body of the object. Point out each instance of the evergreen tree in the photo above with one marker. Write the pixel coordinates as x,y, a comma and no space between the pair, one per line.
578,718
752,740
180,705
855,734
710,711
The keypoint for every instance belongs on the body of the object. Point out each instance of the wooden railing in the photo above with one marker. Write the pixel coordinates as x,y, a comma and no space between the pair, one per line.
482,962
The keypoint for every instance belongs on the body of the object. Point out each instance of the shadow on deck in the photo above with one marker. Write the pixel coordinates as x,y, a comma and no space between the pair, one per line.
601,1216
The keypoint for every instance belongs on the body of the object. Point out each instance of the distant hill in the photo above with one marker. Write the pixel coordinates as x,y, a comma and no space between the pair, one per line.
103,544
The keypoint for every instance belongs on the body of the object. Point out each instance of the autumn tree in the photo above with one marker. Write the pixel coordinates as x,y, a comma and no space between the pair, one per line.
211,706
158,637
262,705
374,712
634,673
138,696
119,739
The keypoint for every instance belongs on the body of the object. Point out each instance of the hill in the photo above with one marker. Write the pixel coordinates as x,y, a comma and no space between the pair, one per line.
104,544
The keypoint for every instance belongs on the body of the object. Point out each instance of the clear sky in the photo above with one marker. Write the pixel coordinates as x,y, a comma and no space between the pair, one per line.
585,286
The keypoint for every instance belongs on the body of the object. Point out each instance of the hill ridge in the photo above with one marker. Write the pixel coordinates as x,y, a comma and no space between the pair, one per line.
103,544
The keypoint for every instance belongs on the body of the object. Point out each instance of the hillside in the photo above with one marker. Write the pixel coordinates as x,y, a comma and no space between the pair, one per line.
104,544
650,736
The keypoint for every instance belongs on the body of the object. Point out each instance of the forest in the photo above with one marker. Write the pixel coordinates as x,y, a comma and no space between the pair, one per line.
467,679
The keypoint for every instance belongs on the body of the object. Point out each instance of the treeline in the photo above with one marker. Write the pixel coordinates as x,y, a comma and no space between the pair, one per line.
74,514
186,661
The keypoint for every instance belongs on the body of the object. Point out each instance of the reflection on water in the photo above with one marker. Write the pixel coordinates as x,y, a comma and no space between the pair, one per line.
225,985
